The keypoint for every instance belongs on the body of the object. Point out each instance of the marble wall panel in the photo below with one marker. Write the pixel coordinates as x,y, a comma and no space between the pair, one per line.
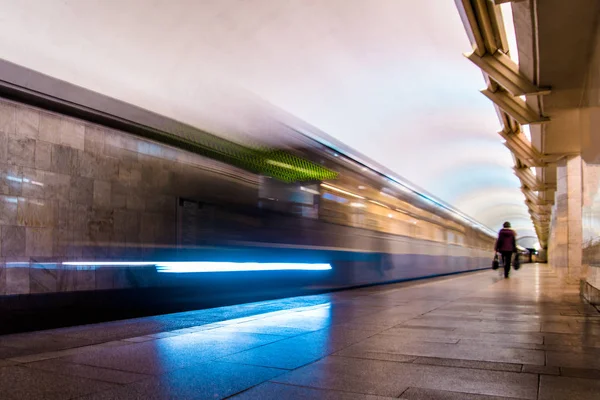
135,200
8,210
97,166
7,118
150,225
33,184
128,142
57,186
27,122
104,278
161,203
43,156
35,213
120,153
112,138
2,277
17,279
43,278
39,242
62,240
85,278
82,190
66,278
129,223
100,234
94,139
12,241
3,147
80,219
72,134
49,128
118,195
130,173
117,250
121,278
102,196
21,152
65,160
166,233
11,179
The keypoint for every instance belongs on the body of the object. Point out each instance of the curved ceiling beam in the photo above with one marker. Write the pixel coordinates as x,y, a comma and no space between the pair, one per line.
505,85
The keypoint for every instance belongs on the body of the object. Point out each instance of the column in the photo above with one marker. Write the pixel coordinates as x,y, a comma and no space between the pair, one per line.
566,236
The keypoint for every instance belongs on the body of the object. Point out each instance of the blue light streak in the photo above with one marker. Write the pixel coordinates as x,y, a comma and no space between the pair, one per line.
205,266
210,266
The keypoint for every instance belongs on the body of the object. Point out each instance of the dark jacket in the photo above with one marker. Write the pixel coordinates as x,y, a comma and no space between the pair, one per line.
507,240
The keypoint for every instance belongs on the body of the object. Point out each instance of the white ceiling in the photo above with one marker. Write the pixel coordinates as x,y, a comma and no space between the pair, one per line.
386,77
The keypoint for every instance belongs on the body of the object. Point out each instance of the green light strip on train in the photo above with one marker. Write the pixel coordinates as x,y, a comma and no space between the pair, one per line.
278,164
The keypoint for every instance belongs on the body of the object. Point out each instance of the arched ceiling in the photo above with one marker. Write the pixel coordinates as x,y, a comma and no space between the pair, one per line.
386,77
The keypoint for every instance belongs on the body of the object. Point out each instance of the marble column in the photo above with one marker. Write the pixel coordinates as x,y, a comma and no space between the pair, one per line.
566,238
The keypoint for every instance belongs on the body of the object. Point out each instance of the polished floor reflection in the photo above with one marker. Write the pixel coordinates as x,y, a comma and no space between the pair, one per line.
474,336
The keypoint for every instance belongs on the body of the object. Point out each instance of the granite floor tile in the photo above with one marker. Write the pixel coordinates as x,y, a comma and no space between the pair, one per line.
204,381
277,391
84,371
431,394
167,354
8,352
299,350
139,339
6,363
425,332
513,345
450,362
566,388
572,340
257,327
41,342
19,383
373,355
573,360
390,344
541,369
392,379
580,373
570,349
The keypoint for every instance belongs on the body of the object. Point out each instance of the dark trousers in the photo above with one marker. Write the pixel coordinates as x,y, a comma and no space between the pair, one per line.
506,259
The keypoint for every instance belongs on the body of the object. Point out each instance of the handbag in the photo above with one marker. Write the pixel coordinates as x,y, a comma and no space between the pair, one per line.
517,262
496,262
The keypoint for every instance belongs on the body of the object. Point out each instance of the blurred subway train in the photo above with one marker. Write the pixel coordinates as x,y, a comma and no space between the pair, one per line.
164,229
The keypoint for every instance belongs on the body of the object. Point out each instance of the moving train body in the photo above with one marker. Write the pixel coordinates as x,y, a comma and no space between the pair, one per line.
118,221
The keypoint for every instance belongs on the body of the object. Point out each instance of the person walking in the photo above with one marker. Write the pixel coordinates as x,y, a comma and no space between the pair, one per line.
506,245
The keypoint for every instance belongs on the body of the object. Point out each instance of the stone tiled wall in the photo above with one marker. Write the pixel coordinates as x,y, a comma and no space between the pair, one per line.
71,190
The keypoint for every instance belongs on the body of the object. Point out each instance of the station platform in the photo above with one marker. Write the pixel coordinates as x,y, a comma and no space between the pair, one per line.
473,336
